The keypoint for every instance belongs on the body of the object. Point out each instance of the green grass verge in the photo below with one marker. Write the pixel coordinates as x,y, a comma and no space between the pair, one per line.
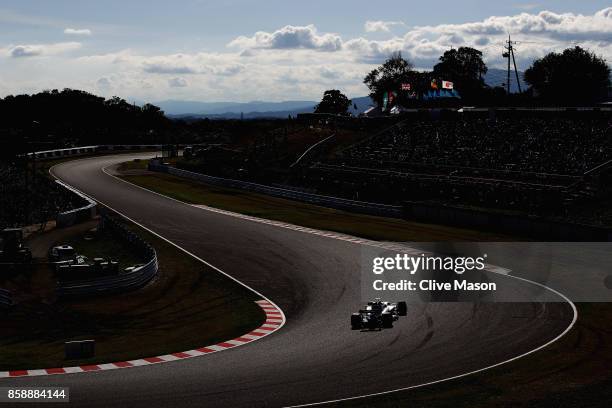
294,212
135,164
186,307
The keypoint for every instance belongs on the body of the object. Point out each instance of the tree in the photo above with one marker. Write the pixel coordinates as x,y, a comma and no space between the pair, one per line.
389,77
575,76
69,117
333,102
465,68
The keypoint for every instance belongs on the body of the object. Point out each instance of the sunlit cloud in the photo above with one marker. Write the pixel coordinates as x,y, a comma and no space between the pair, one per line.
35,50
77,31
381,26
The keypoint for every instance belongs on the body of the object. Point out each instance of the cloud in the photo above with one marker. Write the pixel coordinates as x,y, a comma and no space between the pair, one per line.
540,33
290,37
329,73
35,50
564,26
481,41
173,64
25,51
230,70
248,53
289,63
177,82
381,26
191,64
160,68
104,84
77,31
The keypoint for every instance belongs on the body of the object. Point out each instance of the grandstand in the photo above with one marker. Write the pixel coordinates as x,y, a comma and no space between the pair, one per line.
538,146
533,164
32,201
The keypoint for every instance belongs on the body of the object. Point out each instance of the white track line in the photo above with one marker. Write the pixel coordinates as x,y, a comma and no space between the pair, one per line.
480,370
275,317
322,233
167,240
358,240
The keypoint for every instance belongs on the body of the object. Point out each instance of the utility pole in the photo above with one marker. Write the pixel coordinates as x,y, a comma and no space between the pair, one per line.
509,53
506,54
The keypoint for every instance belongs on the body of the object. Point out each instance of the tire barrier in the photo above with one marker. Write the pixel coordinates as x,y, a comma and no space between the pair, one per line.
6,299
72,217
124,282
361,207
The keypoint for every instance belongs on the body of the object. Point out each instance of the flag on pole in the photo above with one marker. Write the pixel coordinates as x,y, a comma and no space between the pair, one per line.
447,85
388,99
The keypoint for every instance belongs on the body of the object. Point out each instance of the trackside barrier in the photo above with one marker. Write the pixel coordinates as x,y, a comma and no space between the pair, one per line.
84,150
59,153
428,213
124,282
326,201
72,217
6,299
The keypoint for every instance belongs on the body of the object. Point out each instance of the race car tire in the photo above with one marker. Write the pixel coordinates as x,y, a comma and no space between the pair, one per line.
402,308
355,321
387,320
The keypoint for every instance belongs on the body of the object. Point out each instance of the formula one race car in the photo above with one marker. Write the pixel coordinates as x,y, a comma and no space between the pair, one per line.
378,315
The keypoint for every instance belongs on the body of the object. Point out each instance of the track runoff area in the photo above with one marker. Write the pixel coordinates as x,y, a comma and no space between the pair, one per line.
324,266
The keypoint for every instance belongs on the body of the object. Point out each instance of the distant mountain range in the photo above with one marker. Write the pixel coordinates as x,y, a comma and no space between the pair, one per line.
261,109
218,108
497,77
249,110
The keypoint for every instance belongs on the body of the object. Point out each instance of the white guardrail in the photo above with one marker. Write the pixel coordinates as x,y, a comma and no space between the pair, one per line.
128,281
80,151
123,282
326,201
68,218
71,217
132,280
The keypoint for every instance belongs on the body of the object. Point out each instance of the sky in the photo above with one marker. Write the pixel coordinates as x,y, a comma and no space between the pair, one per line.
243,50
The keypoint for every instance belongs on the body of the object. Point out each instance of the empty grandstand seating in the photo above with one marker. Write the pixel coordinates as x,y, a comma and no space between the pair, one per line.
533,165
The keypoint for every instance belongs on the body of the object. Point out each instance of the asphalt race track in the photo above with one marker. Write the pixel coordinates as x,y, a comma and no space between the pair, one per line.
315,281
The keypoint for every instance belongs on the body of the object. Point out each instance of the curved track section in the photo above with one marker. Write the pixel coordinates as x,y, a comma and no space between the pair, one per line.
315,280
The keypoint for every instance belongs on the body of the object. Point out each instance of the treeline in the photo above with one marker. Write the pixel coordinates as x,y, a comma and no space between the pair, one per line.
574,77
55,119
